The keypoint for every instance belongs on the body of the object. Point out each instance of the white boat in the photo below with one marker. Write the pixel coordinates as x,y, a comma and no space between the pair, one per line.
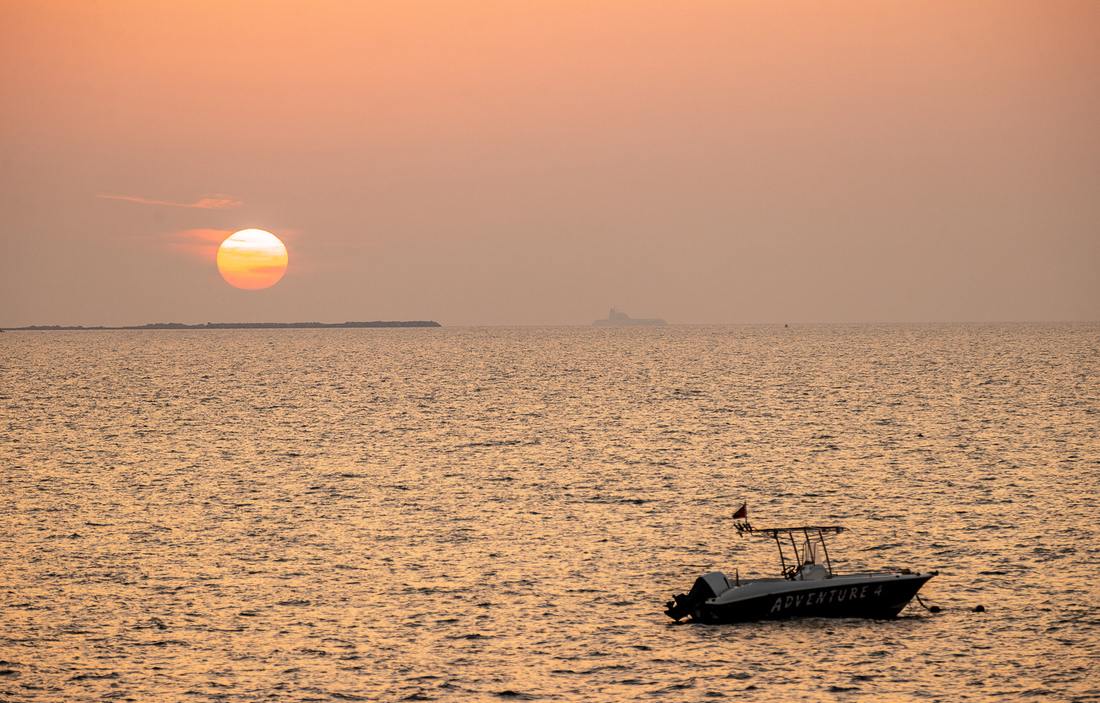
808,586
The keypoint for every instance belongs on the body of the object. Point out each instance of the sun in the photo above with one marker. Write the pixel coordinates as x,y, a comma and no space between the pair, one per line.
252,259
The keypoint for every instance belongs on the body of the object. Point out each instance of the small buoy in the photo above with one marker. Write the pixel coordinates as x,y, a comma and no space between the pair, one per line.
979,608
934,609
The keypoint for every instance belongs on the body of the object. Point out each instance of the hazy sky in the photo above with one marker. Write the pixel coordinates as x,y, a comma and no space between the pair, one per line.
538,161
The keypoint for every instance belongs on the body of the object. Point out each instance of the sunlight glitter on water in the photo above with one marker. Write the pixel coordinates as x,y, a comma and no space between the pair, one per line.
458,514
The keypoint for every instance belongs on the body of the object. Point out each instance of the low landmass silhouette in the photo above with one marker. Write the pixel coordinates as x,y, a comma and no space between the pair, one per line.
617,318
237,325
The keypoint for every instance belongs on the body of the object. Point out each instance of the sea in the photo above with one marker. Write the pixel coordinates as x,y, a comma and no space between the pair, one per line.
500,514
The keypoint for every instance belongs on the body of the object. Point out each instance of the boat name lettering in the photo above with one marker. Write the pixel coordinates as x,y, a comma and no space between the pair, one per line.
826,597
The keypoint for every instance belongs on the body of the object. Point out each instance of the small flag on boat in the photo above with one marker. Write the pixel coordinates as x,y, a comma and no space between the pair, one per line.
742,512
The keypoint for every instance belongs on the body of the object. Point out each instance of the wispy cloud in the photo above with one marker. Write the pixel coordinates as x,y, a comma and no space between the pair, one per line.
201,243
207,202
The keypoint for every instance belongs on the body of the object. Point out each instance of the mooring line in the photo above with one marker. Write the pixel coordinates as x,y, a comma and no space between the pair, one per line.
931,609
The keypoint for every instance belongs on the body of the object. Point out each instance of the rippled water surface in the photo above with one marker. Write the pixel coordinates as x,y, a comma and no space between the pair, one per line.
495,514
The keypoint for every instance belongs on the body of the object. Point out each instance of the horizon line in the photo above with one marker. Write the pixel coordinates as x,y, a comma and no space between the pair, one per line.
351,324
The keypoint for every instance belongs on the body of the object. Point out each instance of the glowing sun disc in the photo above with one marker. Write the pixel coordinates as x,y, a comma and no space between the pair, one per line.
252,259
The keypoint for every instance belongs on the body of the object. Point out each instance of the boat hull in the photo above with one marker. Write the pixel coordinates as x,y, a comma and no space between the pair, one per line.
877,599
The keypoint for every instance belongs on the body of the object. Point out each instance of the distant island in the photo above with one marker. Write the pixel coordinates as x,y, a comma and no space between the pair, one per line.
615,318
235,326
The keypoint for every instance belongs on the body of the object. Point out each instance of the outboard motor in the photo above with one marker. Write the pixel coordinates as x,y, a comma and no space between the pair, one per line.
705,587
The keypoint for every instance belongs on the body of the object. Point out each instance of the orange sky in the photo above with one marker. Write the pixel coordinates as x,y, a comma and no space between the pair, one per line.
537,162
